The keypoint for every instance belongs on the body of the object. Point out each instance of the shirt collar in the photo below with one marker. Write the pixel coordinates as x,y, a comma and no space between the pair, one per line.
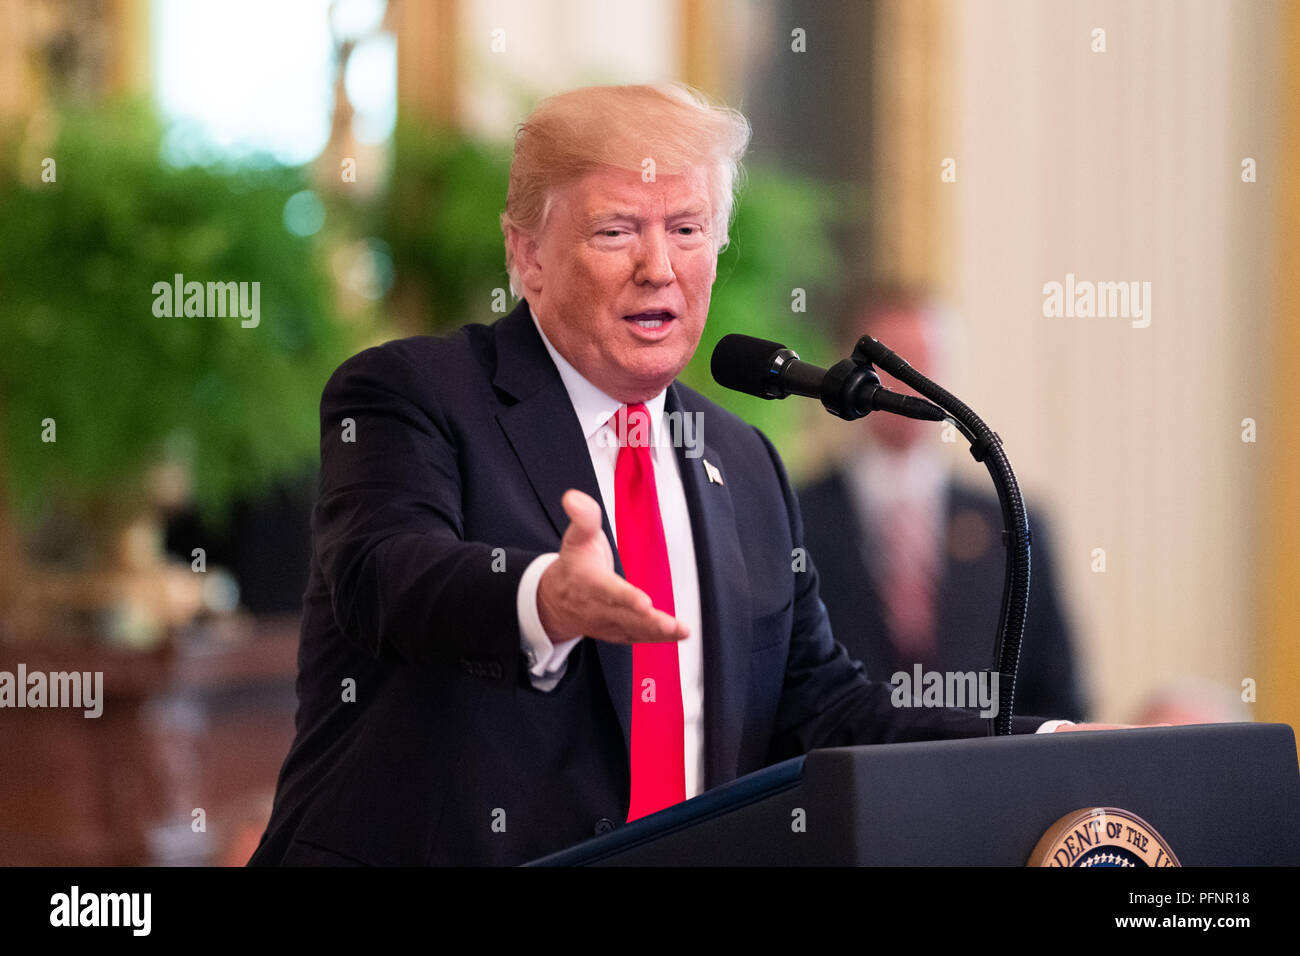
883,479
593,406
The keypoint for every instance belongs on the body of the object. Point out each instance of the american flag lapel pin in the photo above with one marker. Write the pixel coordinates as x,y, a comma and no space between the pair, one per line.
715,476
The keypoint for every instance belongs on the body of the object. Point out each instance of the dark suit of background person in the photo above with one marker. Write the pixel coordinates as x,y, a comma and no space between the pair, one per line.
851,520
465,444
968,593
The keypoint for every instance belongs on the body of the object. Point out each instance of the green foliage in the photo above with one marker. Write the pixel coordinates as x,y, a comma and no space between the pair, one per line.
780,242
79,258
442,221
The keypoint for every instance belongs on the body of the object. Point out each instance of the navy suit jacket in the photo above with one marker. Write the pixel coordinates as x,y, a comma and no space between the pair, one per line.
420,739
968,597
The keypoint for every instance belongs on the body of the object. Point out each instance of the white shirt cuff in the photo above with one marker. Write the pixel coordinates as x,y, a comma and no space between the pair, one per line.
546,659
1049,726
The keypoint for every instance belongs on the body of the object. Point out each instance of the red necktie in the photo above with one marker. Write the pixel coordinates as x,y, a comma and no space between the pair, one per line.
658,759
909,585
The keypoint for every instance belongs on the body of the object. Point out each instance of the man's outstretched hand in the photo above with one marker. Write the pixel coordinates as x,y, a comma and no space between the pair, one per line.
579,594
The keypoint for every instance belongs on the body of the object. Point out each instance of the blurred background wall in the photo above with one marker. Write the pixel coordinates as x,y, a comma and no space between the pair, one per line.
351,156
1115,166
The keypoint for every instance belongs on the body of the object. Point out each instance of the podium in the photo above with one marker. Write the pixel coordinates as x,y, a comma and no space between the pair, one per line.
1218,795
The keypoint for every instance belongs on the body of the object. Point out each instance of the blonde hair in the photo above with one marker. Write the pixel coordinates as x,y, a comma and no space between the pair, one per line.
571,134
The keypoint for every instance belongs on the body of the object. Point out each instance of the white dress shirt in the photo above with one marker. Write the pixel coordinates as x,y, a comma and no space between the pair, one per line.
546,659
881,480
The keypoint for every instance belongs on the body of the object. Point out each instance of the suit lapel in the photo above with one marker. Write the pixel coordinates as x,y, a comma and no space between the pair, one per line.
544,432
725,606
547,438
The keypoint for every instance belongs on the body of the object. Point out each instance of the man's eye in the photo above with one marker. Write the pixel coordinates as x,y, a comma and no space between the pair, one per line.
611,233
688,230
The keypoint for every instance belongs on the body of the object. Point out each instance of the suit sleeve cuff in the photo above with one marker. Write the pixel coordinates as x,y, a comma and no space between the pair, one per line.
1049,726
546,659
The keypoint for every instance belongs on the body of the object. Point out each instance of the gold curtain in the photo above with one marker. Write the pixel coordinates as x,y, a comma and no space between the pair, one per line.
912,119
427,60
1279,518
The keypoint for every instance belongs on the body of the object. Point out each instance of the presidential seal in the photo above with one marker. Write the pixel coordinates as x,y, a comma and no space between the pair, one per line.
1102,836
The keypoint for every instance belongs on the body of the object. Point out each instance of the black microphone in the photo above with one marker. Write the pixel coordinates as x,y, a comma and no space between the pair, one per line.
849,389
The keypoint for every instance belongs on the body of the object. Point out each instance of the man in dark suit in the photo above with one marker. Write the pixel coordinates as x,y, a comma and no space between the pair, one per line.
526,623
911,561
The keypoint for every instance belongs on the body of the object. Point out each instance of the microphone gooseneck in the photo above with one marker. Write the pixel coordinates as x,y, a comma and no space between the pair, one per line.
986,447
851,389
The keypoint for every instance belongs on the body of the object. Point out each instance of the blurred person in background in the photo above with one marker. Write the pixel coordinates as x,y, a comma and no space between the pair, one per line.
911,561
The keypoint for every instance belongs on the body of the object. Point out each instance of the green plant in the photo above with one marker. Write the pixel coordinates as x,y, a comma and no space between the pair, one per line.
780,242
441,219
82,345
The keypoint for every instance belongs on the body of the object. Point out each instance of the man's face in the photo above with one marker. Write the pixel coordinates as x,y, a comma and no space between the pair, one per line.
620,277
908,334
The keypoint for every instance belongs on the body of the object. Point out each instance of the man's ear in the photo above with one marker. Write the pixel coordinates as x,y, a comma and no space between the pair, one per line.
526,261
